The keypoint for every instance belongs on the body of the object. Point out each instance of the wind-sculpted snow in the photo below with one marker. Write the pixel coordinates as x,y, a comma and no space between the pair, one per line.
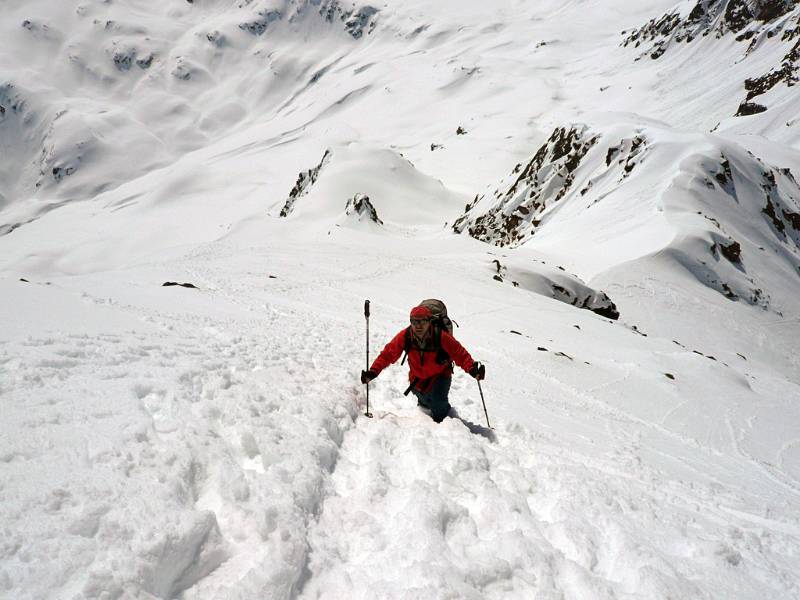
556,283
94,69
765,221
746,209
328,194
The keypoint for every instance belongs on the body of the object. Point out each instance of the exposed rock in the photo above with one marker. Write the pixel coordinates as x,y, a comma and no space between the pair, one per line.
144,62
628,154
555,283
545,180
60,172
173,283
356,21
747,18
360,205
183,70
725,177
500,268
360,21
7,228
728,292
40,29
260,24
787,73
65,145
781,206
749,108
123,59
12,100
513,214
216,38
304,180
732,252
596,301
769,210
754,20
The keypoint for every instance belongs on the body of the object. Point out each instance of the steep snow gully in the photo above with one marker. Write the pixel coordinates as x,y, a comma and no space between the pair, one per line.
329,504
235,463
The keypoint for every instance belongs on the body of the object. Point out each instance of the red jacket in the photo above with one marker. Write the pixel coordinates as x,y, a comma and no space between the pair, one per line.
422,363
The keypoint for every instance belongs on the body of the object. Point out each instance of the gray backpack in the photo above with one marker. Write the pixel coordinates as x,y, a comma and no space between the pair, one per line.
440,322
440,319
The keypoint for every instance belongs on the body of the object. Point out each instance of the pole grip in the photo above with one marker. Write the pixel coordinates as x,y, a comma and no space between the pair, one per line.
366,308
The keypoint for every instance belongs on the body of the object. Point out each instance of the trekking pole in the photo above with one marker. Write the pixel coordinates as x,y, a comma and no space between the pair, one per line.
484,404
366,316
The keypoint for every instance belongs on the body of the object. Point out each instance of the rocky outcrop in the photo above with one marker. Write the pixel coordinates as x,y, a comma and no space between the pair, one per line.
754,21
261,22
787,73
556,283
359,206
517,210
304,180
355,20
781,209
746,19
12,101
596,301
545,180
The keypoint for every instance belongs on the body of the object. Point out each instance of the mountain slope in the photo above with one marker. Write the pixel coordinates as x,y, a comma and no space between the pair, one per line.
617,247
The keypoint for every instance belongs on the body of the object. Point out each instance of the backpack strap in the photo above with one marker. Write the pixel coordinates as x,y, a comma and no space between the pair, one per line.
442,356
406,345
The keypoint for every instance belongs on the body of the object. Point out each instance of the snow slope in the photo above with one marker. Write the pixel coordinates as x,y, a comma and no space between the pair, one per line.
292,158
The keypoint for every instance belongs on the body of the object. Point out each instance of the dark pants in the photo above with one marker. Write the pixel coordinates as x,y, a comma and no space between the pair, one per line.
436,398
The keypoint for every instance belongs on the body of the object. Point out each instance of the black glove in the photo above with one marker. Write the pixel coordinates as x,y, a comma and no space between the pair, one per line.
478,371
367,376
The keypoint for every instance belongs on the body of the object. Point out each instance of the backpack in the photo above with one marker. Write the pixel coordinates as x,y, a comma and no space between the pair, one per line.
440,322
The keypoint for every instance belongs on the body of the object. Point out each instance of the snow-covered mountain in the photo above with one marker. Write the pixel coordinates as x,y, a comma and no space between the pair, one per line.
606,195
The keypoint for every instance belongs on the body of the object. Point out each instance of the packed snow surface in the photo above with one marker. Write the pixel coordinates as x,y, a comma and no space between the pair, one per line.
604,193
